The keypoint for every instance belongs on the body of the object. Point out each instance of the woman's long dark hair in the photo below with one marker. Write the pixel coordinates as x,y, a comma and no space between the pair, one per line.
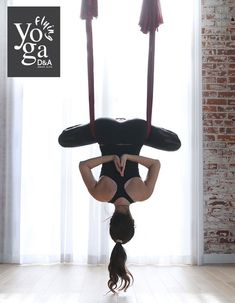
121,231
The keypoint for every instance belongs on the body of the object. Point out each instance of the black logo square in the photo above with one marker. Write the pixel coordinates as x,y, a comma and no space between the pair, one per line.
33,41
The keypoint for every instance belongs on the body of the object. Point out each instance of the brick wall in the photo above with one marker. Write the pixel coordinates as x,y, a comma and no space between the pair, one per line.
218,74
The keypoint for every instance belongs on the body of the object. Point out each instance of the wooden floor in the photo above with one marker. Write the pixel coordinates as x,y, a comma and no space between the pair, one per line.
71,283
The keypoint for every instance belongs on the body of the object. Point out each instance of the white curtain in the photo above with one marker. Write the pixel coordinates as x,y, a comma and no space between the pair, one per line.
54,218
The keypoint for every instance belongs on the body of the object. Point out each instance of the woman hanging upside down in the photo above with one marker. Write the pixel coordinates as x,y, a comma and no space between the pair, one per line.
120,182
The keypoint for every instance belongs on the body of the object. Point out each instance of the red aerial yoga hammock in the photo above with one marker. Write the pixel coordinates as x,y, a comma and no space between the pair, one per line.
130,130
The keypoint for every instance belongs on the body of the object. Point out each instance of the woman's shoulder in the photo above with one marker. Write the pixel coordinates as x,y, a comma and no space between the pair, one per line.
136,188
105,189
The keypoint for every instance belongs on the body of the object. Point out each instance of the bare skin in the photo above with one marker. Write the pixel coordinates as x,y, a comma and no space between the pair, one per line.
104,189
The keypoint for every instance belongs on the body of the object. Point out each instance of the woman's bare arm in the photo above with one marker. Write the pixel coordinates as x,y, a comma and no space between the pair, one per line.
86,167
153,166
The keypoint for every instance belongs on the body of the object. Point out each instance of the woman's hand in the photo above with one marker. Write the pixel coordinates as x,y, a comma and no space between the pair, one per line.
117,162
120,163
124,158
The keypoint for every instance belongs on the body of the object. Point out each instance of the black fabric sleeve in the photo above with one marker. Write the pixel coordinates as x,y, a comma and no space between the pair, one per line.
75,136
163,139
109,131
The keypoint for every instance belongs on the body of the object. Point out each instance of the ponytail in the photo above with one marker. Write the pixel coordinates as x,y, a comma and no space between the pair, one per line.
117,270
121,231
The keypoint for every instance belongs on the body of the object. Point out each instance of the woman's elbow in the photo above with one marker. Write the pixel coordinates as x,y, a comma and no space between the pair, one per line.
81,165
157,163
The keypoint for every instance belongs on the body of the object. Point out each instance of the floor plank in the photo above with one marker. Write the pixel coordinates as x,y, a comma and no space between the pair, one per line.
86,284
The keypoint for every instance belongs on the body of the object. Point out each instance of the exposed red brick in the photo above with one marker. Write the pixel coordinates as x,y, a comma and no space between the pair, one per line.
226,108
225,94
209,66
222,130
210,130
231,87
216,116
218,122
229,123
221,66
217,87
207,122
211,166
230,44
230,130
209,79
222,166
231,79
209,108
209,94
218,57
231,72
221,80
230,138
231,116
206,52
230,52
227,52
216,101
216,72
232,166
208,137
226,152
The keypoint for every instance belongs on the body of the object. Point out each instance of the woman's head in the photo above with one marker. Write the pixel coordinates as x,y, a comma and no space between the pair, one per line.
121,231
121,227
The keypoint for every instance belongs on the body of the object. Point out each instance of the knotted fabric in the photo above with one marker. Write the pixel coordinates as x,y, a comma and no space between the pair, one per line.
89,9
151,16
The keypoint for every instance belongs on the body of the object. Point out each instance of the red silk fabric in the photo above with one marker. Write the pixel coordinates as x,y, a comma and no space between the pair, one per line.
151,16
89,9
150,19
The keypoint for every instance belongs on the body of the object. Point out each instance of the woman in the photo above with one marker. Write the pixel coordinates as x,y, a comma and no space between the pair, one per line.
120,184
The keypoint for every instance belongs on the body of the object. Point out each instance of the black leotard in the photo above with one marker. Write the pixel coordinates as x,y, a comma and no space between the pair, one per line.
118,138
109,169
109,131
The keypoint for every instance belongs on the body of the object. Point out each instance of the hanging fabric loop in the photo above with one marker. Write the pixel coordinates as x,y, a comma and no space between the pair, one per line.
109,131
90,68
89,9
151,16
150,81
150,19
